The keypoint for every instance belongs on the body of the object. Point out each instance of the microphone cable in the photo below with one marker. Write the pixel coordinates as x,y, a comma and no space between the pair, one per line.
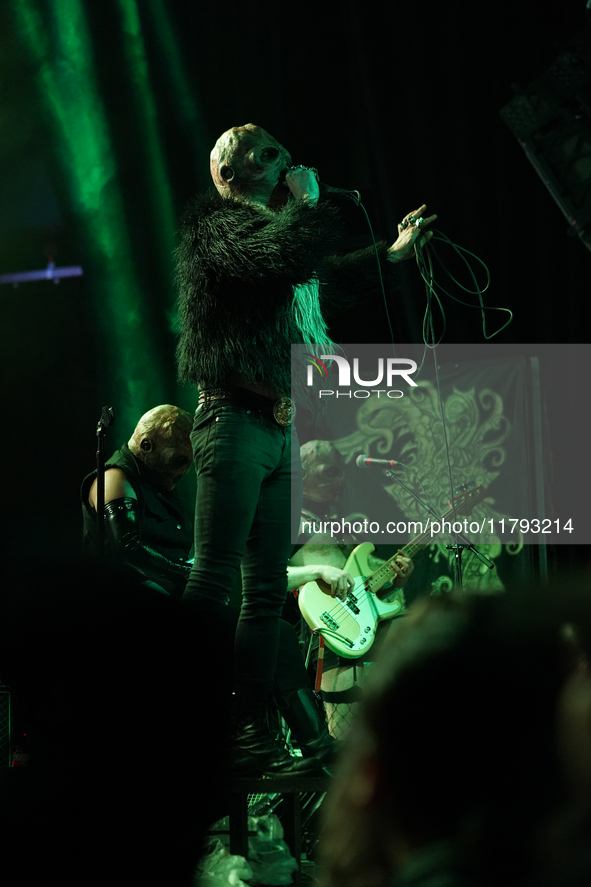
425,253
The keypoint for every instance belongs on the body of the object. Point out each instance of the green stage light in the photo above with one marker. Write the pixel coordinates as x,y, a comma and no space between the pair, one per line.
61,48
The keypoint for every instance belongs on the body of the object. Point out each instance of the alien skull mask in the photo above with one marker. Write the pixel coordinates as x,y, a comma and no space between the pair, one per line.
324,472
247,161
161,441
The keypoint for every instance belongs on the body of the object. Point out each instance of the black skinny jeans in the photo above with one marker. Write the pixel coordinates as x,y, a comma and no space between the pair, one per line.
249,481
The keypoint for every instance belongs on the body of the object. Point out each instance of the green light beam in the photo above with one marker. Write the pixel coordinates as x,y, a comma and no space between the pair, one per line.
64,58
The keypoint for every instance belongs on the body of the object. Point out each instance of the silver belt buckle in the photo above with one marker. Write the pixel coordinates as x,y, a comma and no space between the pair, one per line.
284,411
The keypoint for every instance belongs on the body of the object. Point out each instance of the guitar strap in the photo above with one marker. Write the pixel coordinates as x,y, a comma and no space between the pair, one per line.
349,696
319,664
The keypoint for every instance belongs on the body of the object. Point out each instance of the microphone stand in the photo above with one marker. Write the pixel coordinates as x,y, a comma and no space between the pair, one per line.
461,543
458,548
107,420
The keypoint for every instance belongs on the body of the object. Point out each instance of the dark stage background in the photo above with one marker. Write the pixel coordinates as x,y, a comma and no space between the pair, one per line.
107,116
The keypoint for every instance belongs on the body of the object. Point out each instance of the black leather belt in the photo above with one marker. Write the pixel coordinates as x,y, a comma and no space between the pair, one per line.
282,410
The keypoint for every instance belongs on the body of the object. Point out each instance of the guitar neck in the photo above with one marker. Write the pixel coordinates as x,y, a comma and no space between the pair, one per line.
384,573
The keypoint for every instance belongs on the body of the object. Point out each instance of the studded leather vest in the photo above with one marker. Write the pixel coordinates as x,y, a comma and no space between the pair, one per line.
163,522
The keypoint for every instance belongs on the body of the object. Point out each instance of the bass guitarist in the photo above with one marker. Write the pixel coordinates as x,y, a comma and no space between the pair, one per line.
323,557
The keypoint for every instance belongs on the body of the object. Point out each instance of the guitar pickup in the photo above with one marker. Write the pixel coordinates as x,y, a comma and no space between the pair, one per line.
351,602
329,621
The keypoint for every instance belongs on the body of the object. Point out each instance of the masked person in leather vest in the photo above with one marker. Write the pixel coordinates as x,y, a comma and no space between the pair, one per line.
146,525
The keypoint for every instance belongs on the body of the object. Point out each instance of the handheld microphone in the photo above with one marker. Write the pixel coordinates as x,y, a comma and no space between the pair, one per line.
355,196
366,461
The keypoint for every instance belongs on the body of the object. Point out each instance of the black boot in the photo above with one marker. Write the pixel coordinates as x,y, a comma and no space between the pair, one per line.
300,711
256,752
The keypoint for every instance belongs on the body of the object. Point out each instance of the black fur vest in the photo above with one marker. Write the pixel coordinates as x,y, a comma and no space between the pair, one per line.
237,266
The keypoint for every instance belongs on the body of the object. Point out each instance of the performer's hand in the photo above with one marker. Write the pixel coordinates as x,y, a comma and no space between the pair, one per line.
408,234
403,567
338,582
302,183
